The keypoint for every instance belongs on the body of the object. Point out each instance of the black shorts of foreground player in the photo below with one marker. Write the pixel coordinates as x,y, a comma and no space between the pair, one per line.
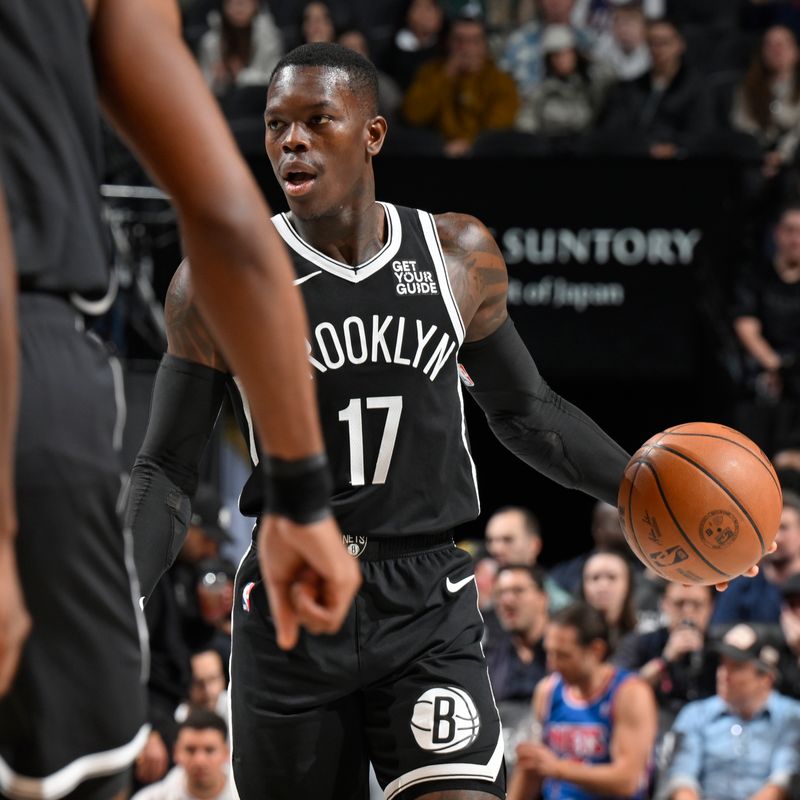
404,683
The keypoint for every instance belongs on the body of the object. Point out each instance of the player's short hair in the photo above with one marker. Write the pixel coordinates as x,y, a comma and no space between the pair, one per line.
200,719
362,76
587,622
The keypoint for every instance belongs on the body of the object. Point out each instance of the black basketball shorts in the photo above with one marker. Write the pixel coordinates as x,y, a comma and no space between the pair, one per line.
403,685
74,719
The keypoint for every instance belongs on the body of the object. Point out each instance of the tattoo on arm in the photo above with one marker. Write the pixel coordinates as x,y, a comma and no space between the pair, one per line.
187,335
477,273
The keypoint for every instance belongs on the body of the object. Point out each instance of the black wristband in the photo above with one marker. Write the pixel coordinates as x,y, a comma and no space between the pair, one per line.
299,489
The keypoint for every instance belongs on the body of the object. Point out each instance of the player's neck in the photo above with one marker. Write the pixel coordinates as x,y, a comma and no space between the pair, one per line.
351,237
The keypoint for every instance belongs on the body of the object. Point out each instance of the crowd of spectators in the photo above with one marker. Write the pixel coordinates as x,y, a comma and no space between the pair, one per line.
717,675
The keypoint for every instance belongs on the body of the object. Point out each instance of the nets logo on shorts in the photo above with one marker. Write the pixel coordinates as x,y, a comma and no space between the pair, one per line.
445,720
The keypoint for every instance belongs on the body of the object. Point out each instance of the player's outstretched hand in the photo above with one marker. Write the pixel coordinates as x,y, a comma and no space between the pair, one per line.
750,573
15,624
309,576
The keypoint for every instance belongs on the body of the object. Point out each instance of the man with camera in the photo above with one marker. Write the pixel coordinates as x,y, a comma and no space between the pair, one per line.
674,658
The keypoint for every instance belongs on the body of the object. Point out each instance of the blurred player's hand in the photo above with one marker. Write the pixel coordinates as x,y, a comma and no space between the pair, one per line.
15,624
750,573
309,576
153,762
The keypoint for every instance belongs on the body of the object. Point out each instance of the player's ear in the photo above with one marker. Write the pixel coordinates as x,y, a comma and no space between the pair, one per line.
376,134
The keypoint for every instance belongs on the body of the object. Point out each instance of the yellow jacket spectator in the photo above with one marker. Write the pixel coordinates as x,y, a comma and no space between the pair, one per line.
463,93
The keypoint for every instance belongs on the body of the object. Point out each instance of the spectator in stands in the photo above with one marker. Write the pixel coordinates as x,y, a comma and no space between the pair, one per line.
523,56
516,658
744,741
209,686
758,599
660,114
515,655
598,723
513,536
202,758
566,101
241,46
317,23
608,586
597,16
624,45
463,93
789,640
675,659
766,320
390,96
419,39
767,103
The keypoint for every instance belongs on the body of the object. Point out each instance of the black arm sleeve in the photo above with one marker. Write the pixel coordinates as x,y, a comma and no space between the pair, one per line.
536,424
186,402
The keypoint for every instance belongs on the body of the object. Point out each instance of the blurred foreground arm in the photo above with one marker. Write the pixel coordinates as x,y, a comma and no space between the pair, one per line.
14,621
155,95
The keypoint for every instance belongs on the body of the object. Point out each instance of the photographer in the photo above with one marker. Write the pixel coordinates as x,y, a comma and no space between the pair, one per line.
675,659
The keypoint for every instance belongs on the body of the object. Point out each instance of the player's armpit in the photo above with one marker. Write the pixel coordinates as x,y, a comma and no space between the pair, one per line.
536,424
187,398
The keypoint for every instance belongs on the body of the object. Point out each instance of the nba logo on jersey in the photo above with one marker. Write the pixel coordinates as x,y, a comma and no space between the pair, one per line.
355,544
445,720
246,595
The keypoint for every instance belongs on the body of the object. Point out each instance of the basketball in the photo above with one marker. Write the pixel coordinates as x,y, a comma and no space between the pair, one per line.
699,503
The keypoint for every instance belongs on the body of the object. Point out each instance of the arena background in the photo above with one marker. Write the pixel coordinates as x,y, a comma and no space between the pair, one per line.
618,274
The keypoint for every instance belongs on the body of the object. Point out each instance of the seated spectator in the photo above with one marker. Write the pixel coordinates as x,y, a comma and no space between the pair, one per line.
208,688
390,96
567,99
758,599
660,114
608,586
675,659
419,39
743,741
624,45
767,103
202,757
464,92
513,536
515,655
766,321
316,23
789,640
598,722
523,57
241,46
597,16
606,534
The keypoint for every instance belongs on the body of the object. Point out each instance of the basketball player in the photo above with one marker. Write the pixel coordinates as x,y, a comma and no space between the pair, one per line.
397,299
72,719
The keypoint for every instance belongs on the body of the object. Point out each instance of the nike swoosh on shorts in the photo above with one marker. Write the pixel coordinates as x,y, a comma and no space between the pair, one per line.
457,586
298,281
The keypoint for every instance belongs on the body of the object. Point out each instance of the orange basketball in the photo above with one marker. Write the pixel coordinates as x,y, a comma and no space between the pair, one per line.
699,503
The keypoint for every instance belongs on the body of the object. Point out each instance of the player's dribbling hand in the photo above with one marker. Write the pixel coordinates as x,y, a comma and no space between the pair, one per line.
309,576
15,624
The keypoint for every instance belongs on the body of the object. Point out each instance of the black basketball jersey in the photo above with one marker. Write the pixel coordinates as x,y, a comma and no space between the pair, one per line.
50,146
384,338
